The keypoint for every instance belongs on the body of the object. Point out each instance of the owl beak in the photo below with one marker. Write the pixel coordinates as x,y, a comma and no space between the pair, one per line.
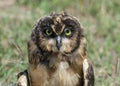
58,42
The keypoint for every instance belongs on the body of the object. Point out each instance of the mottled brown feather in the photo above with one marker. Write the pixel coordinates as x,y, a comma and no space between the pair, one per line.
49,66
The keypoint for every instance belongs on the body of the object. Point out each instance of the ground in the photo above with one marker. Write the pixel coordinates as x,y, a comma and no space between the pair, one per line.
101,22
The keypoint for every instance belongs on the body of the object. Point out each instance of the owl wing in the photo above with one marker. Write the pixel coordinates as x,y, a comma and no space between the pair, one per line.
23,79
88,73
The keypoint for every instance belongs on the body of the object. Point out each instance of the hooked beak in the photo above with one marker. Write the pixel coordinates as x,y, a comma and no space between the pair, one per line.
58,42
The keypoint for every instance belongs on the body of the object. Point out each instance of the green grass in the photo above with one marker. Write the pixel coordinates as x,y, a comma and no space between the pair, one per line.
101,21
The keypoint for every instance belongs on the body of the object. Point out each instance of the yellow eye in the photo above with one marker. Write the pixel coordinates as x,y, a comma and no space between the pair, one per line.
68,32
48,32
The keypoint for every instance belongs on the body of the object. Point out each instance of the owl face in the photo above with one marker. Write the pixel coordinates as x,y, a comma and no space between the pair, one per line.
59,33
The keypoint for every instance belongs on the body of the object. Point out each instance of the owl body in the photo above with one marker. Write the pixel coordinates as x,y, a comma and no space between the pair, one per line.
59,72
57,53
63,76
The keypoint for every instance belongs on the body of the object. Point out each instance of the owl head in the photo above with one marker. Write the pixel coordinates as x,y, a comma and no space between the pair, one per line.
58,33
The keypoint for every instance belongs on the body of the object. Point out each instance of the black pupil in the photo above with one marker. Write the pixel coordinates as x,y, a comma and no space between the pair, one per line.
49,31
67,31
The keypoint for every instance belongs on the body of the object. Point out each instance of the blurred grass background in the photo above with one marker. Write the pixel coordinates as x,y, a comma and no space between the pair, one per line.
100,18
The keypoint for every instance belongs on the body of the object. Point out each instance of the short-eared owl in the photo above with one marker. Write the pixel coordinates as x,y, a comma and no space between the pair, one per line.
57,54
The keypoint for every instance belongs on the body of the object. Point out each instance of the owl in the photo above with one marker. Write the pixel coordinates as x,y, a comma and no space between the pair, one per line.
57,54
